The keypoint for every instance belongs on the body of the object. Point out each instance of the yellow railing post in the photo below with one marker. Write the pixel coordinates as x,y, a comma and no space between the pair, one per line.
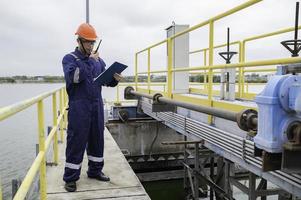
205,64
136,71
205,57
43,194
240,72
169,67
242,75
205,80
61,113
55,140
210,71
0,190
64,111
117,94
148,71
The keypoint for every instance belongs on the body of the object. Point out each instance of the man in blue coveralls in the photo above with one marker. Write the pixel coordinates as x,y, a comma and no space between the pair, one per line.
85,116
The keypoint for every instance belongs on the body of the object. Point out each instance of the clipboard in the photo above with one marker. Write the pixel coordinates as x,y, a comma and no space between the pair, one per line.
106,77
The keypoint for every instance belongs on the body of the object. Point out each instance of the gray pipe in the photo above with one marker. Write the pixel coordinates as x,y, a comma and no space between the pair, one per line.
203,109
246,119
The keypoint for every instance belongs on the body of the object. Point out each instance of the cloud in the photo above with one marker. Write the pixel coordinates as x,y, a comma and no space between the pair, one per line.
35,35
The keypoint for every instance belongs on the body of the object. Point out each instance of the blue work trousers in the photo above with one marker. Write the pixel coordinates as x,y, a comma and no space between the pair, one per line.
85,131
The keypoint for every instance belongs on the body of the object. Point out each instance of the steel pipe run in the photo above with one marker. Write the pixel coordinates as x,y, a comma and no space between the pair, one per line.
242,154
246,119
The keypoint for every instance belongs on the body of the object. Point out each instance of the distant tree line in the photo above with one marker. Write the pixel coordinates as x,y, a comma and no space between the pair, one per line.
250,78
32,79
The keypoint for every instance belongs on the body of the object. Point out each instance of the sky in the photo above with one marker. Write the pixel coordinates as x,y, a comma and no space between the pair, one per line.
36,34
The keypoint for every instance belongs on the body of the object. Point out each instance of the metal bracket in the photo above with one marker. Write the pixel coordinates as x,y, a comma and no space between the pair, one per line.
158,106
227,55
128,94
294,46
271,161
247,120
292,149
51,164
244,150
290,161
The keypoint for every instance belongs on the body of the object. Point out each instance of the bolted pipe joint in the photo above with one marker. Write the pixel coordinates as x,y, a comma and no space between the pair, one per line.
293,136
128,93
247,120
292,148
156,97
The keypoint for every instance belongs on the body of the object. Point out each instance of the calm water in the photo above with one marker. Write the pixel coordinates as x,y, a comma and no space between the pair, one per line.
18,134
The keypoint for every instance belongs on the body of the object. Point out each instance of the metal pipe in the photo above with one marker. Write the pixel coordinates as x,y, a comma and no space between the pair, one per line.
250,160
216,132
225,141
207,110
142,94
209,137
246,119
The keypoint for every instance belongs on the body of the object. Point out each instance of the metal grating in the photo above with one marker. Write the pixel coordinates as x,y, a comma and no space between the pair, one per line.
235,148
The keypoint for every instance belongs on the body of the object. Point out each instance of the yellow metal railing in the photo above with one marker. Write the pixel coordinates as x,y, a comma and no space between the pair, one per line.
170,40
242,53
59,122
0,190
209,68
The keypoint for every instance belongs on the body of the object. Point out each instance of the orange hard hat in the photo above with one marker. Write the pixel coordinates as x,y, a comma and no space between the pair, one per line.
86,31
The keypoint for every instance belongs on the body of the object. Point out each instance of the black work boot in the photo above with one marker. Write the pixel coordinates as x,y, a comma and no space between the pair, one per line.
100,177
70,186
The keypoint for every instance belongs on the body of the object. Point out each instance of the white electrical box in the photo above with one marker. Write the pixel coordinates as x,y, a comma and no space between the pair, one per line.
180,80
227,91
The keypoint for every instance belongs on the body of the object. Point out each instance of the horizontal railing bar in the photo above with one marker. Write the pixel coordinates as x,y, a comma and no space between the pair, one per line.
153,72
53,130
261,70
270,34
152,46
215,47
8,111
26,183
132,84
243,64
222,15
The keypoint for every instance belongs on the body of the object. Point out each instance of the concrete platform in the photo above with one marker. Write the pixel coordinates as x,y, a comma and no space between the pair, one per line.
124,183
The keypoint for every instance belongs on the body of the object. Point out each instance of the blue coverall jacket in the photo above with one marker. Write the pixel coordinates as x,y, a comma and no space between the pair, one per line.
85,115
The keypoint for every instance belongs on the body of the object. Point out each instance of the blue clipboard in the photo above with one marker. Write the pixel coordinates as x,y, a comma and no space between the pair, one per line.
106,77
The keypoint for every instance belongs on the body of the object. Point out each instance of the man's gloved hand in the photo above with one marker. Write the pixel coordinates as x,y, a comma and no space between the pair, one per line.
95,55
118,77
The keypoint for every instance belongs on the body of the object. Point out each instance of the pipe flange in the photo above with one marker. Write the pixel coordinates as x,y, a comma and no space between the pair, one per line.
294,132
247,120
128,94
156,97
